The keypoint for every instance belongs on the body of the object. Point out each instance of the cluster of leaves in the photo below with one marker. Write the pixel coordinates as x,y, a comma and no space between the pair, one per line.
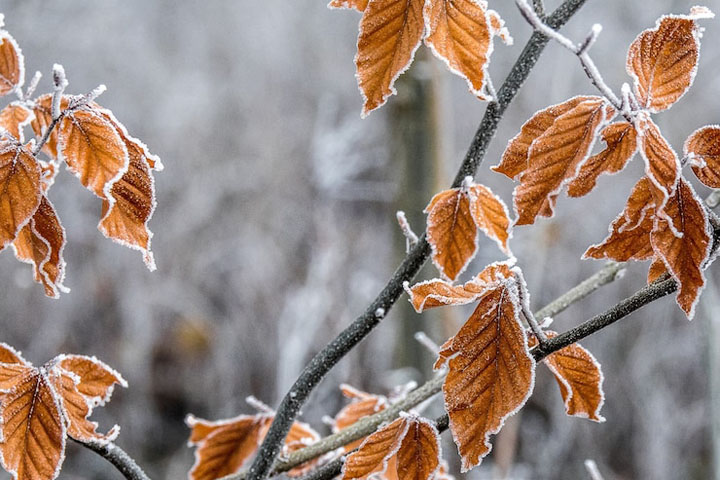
459,32
41,406
664,219
94,146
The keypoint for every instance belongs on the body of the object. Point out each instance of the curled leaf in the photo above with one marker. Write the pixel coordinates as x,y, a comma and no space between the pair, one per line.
490,215
662,165
19,190
12,64
14,118
359,5
703,150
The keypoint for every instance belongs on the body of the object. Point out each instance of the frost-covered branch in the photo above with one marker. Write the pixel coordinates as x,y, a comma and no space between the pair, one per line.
60,83
411,239
327,358
119,458
581,49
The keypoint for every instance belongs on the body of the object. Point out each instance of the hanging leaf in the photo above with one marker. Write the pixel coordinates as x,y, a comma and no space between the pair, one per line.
359,5
662,165
96,380
579,377
703,151
19,190
684,256
555,157
413,444
41,243
490,215
460,34
621,145
629,237
390,33
12,63
362,405
490,372
14,118
656,270
663,60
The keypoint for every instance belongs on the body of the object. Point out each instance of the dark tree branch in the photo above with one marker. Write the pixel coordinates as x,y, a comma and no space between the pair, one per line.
326,359
120,460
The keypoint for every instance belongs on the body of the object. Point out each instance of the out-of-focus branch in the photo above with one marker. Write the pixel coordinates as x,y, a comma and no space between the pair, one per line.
120,460
327,358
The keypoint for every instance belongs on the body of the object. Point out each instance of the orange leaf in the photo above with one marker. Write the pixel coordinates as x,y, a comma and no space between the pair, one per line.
460,34
19,190
555,157
363,405
621,145
684,256
33,429
629,237
657,269
490,215
225,446
490,372
703,150
390,33
93,150
359,5
663,60
411,442
579,377
42,118
9,355
515,158
40,243
96,380
12,63
14,117
438,293
661,163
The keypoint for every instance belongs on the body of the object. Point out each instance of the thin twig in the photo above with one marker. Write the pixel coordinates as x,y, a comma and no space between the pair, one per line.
328,357
593,470
60,84
411,239
120,460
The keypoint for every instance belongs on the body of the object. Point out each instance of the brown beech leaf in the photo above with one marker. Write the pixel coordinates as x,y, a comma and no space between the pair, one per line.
662,165
93,150
410,442
438,293
390,33
42,118
33,427
12,63
14,118
515,158
555,157
663,60
19,190
579,377
359,5
451,232
490,371
629,237
9,355
362,405
490,215
96,380
460,34
684,255
703,151
656,270
621,145
40,243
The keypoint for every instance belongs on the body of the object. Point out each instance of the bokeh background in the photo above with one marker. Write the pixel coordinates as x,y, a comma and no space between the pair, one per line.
276,225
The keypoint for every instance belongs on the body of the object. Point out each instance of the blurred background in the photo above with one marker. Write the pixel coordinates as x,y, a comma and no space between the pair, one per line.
276,225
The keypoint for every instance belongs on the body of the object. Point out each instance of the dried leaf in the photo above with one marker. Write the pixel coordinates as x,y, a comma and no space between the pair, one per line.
657,269
621,145
14,118
684,256
390,33
33,430
579,377
460,34
451,232
703,151
629,237
359,5
12,64
491,372
363,405
555,157
662,165
96,379
41,243
412,442
19,190
663,60
490,215
93,150
515,158
9,355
